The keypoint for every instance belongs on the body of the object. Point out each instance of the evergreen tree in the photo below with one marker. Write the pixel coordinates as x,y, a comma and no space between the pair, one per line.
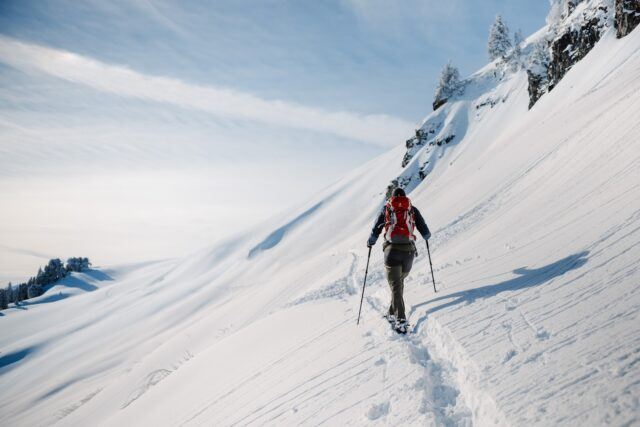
53,271
499,42
34,290
448,85
10,296
40,277
516,52
16,294
22,292
517,43
78,264
4,302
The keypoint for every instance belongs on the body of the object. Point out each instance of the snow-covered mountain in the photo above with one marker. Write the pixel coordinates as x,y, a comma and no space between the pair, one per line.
535,216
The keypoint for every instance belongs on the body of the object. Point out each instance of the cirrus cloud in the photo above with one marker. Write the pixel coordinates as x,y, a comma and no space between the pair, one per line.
378,129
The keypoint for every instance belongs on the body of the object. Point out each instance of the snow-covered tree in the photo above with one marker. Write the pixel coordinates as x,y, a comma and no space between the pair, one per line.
517,42
538,61
448,85
559,10
53,271
78,264
555,12
499,42
515,57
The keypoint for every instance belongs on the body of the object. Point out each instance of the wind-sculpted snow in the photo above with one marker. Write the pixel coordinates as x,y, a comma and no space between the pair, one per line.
536,224
274,238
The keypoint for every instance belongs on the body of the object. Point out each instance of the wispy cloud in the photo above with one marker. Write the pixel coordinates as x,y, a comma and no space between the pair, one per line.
376,129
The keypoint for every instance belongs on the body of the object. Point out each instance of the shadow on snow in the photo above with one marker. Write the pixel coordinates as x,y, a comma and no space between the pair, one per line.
275,237
526,278
9,359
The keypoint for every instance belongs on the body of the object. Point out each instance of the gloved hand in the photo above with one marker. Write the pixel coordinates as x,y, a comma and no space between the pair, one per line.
427,236
372,241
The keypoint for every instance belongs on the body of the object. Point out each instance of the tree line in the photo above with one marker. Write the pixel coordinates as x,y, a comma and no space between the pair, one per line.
35,286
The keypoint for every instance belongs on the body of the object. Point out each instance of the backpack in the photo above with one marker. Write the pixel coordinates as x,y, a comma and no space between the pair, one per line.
399,221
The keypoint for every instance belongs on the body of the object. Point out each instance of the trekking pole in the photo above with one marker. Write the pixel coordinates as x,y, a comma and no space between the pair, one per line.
363,285
431,265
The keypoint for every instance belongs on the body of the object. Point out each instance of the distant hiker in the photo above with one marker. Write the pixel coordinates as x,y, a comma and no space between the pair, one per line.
399,219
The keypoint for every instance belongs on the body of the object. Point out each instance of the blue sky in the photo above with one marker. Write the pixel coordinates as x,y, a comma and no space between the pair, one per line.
154,116
367,56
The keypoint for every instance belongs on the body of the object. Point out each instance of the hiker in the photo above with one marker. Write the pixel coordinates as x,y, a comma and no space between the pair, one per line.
399,219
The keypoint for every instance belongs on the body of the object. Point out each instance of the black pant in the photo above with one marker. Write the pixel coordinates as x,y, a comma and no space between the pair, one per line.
398,259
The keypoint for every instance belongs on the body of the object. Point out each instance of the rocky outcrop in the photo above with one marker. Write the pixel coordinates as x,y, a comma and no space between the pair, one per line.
399,182
423,136
409,179
571,46
575,37
627,16
438,102
414,143
537,87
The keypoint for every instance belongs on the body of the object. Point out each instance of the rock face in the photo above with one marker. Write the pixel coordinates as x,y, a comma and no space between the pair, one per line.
422,137
571,46
537,87
437,103
576,35
432,135
627,16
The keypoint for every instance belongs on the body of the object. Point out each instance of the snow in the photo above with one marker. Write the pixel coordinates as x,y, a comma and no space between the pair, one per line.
536,222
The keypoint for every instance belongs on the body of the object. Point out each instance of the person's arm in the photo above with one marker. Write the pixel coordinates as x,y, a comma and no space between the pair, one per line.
421,225
377,229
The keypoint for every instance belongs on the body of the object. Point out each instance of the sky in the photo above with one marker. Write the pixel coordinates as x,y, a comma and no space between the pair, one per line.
136,130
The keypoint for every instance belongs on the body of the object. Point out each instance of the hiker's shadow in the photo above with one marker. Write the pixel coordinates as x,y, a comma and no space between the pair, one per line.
526,278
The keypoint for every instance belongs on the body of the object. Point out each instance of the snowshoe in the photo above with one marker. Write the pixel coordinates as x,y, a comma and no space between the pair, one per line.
401,326
390,318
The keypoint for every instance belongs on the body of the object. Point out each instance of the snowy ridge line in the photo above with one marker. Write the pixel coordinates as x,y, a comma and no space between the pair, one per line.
483,407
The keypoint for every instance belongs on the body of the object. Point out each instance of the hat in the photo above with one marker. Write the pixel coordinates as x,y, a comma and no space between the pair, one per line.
399,192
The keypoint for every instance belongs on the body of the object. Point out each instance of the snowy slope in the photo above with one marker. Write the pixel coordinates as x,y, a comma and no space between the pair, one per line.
536,220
